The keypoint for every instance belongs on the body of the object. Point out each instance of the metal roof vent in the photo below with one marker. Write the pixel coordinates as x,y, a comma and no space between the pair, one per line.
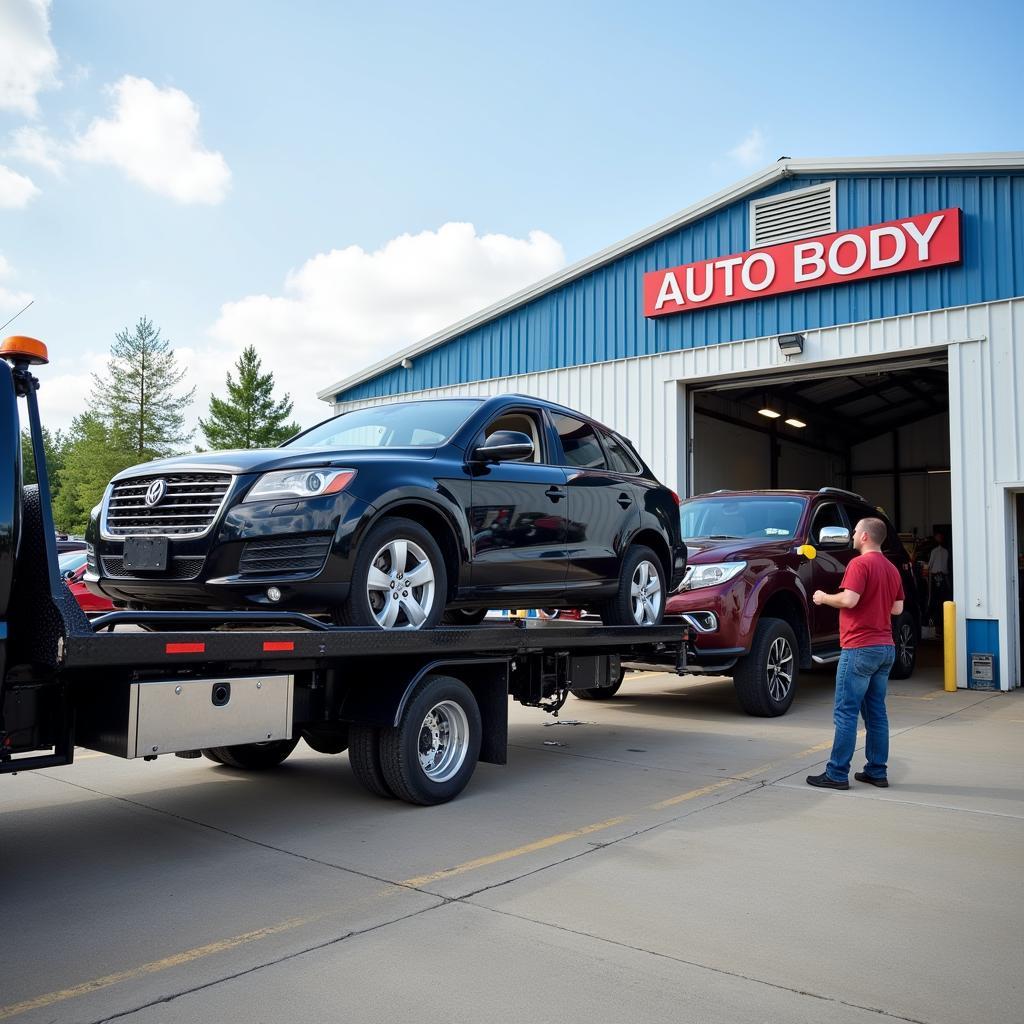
798,214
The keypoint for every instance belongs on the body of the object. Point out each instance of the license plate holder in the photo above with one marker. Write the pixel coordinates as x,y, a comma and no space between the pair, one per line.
148,554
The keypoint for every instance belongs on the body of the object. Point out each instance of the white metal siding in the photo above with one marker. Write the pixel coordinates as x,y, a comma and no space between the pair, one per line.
645,398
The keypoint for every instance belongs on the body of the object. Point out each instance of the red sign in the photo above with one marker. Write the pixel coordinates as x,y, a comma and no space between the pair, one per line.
913,243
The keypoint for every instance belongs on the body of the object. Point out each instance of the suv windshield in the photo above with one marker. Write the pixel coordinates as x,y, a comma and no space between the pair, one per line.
402,425
733,518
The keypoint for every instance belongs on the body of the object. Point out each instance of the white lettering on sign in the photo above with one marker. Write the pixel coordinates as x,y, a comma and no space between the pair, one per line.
669,290
912,243
923,239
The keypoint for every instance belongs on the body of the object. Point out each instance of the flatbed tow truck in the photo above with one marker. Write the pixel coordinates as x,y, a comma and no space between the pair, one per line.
416,710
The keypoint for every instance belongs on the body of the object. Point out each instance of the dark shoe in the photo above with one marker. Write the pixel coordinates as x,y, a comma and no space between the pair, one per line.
871,780
822,781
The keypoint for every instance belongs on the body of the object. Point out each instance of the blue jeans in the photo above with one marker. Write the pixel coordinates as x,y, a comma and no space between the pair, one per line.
861,680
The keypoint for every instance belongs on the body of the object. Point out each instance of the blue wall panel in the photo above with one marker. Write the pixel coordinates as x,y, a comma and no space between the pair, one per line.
600,316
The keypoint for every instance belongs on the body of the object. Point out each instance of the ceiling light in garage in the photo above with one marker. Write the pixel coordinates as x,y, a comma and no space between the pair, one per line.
770,413
793,422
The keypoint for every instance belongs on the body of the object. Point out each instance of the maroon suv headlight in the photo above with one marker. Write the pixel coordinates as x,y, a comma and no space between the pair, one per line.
711,574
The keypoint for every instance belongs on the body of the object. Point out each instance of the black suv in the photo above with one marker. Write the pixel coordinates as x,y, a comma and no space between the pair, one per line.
397,515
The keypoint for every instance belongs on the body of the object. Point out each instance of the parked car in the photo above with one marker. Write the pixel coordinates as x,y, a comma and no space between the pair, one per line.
65,544
748,587
72,569
397,515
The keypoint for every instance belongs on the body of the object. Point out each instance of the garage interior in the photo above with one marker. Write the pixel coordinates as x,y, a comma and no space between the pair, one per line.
881,430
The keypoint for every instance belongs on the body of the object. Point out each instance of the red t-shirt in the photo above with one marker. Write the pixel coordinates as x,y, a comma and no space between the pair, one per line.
878,582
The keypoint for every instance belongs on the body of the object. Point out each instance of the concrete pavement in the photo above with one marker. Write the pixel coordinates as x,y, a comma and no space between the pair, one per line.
663,860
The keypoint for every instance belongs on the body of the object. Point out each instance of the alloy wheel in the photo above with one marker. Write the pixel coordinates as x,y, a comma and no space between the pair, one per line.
906,645
444,741
779,669
645,594
400,585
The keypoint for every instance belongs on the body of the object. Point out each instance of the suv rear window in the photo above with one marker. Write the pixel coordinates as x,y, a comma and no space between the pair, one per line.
579,442
735,518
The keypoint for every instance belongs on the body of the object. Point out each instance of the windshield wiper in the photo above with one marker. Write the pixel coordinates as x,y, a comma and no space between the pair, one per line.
718,536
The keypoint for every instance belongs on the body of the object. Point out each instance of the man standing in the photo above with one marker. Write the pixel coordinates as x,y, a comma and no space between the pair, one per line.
872,592
939,590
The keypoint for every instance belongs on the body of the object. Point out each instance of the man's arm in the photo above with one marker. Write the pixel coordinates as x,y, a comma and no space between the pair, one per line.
897,607
844,599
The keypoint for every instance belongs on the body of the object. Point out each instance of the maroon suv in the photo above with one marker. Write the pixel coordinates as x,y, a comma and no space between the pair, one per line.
755,559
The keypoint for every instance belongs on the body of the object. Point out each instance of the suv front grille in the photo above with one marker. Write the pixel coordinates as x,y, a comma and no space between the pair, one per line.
289,554
188,508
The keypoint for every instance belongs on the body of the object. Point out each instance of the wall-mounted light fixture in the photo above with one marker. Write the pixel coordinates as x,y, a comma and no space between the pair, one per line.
791,344
406,364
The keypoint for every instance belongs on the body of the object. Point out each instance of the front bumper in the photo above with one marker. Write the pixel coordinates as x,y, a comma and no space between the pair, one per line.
303,548
721,630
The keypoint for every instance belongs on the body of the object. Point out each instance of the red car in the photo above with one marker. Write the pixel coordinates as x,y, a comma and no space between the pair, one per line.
72,570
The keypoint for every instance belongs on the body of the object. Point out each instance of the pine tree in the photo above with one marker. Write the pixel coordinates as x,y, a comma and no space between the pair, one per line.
137,400
54,444
92,456
249,418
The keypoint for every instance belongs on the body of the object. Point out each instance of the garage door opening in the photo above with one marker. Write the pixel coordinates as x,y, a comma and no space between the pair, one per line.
880,430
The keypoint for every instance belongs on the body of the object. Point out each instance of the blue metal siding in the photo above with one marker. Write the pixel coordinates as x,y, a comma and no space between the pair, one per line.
599,316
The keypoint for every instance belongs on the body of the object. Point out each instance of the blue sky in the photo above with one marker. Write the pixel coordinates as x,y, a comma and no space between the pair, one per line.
327,131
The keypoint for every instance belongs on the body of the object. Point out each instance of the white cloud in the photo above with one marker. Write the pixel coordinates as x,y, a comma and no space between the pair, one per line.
28,60
152,136
348,308
36,146
16,190
750,152
11,301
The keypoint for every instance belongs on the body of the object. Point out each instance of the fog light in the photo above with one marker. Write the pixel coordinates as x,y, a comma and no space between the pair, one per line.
273,594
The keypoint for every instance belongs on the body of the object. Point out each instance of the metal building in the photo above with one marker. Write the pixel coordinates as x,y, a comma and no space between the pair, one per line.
876,306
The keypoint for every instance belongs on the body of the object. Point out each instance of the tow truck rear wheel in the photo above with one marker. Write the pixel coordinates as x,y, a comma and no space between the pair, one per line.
364,757
253,756
601,692
765,680
430,756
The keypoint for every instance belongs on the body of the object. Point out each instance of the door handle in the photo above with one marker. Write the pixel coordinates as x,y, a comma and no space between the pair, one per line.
556,493
625,500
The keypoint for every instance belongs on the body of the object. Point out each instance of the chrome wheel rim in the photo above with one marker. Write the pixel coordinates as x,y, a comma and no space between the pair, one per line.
780,669
400,585
905,645
645,594
443,741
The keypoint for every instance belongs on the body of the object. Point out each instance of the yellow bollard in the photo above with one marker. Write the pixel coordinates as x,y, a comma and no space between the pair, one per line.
949,644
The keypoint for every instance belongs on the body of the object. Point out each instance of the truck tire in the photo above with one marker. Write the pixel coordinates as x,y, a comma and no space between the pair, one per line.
464,616
364,757
379,591
253,756
430,756
601,692
327,740
641,568
765,680
905,635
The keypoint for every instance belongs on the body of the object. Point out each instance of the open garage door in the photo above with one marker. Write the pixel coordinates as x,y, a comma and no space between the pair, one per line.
879,429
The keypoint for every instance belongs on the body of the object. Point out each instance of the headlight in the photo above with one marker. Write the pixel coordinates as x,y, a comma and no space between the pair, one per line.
711,574
299,483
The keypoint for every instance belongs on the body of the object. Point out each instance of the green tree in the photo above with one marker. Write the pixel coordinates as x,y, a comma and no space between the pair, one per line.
137,398
54,444
92,456
249,418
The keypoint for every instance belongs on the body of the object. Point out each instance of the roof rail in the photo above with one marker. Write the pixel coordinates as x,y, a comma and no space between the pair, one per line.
839,490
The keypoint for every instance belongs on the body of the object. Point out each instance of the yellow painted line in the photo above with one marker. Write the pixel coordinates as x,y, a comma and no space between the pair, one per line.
154,966
88,757
563,837
519,851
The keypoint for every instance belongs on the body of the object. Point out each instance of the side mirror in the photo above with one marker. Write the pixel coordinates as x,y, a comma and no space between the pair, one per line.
505,446
834,537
